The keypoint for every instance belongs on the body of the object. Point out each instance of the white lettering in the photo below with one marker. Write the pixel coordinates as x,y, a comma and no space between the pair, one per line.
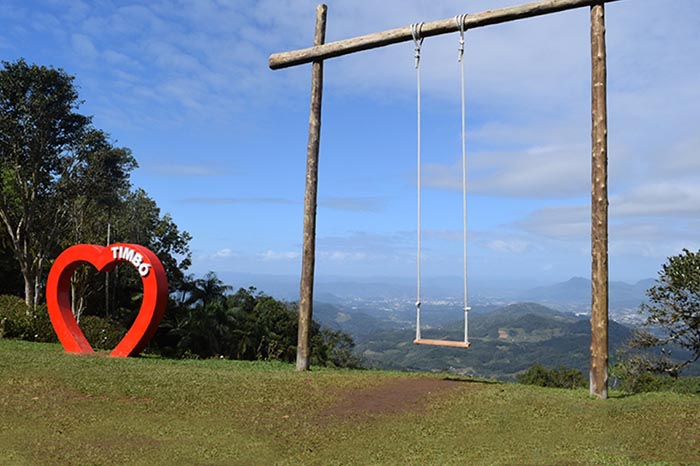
129,255
144,268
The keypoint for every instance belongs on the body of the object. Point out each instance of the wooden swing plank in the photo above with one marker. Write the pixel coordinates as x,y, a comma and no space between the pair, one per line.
453,344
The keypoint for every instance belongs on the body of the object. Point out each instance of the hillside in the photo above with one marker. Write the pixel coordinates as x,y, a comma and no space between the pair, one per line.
57,408
504,342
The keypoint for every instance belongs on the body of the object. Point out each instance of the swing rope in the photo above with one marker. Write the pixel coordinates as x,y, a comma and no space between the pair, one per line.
459,19
418,41
416,30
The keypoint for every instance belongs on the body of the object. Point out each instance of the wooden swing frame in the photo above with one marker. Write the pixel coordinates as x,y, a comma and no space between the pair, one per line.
599,155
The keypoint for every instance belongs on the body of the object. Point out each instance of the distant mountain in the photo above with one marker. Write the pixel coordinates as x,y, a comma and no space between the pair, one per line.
576,293
573,295
503,343
356,323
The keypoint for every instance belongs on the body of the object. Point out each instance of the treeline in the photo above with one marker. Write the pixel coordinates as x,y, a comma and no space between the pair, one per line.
207,322
65,182
204,322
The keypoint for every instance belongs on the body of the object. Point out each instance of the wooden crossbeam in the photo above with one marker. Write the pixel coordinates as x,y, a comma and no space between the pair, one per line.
433,28
452,344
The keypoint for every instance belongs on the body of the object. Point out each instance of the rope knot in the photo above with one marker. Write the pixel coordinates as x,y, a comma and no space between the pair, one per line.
416,33
459,20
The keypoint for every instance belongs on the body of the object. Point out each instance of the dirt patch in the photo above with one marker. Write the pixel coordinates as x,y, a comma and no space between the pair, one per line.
395,397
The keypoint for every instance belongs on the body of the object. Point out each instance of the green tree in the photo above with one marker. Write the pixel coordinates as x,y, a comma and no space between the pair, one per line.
204,322
673,312
207,290
139,221
96,185
64,182
39,131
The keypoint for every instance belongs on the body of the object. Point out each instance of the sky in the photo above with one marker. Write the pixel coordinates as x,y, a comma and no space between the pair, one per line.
221,139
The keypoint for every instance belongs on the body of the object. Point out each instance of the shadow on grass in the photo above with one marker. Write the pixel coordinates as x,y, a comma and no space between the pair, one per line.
454,378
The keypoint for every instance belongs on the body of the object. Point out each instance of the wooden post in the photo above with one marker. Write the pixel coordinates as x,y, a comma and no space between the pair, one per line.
599,207
433,28
308,260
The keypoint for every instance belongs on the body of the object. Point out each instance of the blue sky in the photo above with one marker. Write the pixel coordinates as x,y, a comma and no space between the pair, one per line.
221,139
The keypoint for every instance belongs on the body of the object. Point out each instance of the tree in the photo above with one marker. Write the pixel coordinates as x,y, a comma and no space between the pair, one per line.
96,184
137,219
673,312
205,322
39,129
207,290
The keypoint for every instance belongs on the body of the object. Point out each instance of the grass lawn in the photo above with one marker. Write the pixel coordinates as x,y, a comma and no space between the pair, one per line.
57,408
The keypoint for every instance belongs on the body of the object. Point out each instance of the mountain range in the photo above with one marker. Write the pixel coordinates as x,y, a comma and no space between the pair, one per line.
504,341
573,295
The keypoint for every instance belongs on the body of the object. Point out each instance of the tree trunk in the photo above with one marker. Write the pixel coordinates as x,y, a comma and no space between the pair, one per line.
28,290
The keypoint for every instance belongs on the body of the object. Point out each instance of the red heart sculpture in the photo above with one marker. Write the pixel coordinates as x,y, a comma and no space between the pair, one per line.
155,294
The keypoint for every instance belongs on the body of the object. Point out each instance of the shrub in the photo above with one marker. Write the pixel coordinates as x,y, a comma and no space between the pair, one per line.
632,375
19,322
42,328
102,333
558,378
15,318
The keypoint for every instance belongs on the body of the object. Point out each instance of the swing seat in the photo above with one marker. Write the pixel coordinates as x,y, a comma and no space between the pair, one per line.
452,344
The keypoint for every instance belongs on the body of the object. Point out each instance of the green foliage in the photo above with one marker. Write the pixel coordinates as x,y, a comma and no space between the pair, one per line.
632,374
206,323
556,378
64,182
333,348
39,131
42,327
673,315
15,320
18,321
102,333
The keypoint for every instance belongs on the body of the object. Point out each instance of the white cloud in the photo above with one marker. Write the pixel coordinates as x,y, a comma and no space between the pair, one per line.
225,253
342,256
537,172
270,255
83,46
512,246
558,222
663,200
